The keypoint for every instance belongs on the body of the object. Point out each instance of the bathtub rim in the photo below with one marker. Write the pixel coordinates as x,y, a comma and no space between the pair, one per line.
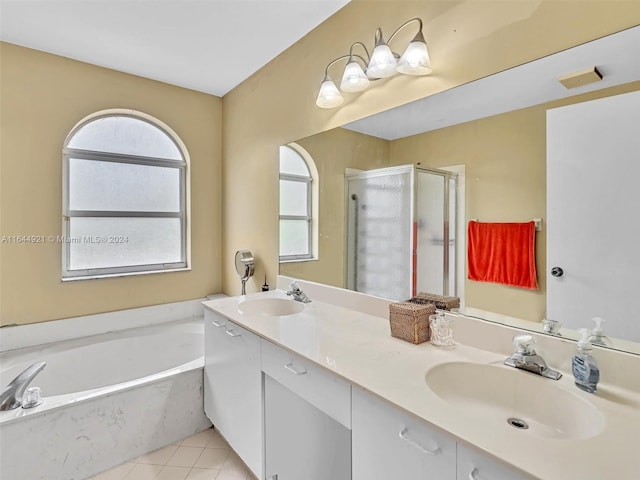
14,337
67,400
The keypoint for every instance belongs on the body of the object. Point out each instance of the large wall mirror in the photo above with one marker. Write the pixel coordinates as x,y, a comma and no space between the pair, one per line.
488,142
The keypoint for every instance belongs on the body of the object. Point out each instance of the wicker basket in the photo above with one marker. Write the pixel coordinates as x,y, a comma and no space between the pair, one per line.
440,301
410,321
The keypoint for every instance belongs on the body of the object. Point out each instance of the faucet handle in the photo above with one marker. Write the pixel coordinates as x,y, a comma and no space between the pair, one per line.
293,286
524,343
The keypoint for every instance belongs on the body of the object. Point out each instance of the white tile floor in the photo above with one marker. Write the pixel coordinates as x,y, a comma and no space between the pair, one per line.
204,456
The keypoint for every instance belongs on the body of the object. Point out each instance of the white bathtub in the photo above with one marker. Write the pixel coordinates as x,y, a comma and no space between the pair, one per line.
107,398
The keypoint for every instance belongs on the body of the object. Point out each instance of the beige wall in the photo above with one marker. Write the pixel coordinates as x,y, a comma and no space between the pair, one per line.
42,97
333,152
467,40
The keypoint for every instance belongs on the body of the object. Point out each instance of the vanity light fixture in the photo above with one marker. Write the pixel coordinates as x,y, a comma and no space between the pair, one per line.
382,63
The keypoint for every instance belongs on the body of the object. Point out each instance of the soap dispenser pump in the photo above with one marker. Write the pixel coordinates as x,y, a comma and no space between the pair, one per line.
597,336
585,367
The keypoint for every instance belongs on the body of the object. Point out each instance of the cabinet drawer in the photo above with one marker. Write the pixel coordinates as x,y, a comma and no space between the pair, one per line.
325,391
473,465
388,443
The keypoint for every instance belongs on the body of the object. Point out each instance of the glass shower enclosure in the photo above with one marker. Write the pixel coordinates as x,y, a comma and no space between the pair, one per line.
401,235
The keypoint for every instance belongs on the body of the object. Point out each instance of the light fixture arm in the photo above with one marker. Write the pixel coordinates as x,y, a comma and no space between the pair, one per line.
416,19
351,55
366,62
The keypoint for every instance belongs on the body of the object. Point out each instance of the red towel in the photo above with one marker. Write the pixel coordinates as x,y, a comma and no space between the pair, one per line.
503,253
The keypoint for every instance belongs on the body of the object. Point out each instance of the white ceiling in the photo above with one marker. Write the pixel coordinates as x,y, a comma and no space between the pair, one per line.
206,45
617,57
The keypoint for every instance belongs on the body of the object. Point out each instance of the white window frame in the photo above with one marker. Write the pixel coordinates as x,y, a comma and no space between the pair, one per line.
67,213
312,205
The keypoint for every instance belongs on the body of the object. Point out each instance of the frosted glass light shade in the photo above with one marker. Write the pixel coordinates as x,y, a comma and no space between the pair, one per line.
353,78
383,63
415,60
329,96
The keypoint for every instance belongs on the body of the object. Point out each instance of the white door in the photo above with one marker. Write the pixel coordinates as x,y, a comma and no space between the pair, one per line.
593,196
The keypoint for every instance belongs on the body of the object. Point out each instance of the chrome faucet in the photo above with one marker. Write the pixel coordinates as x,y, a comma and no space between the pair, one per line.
11,396
526,358
297,294
552,327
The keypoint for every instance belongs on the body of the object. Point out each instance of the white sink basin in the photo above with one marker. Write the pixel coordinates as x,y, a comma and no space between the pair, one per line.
277,307
493,394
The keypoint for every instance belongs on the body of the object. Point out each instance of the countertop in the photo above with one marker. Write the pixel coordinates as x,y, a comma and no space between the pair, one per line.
358,347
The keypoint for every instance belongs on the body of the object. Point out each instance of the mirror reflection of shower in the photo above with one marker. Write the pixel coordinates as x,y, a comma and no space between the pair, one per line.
401,232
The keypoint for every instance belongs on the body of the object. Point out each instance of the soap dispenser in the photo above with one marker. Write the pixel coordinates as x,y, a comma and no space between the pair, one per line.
597,336
584,365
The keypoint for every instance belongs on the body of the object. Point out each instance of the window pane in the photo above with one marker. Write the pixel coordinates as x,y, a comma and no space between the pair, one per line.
125,135
292,163
125,187
294,237
117,242
293,198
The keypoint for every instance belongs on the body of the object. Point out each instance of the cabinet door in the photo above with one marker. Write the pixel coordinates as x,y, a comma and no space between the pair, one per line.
473,465
301,441
233,387
388,443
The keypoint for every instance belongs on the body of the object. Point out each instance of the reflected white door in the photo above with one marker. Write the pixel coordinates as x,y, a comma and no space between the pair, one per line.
593,194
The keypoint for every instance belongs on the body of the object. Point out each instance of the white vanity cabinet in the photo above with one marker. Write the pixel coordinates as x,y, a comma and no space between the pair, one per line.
290,418
473,465
388,443
233,387
307,419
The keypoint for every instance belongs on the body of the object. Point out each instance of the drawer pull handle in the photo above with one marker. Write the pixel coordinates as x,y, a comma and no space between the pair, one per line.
403,436
289,366
217,324
231,333
473,474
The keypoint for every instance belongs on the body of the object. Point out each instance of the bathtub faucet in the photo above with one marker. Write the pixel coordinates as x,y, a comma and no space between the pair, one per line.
11,396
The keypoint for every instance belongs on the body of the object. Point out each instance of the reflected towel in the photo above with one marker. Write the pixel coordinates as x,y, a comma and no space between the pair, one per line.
502,253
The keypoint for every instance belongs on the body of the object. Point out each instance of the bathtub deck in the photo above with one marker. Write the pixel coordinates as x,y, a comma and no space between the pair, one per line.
204,456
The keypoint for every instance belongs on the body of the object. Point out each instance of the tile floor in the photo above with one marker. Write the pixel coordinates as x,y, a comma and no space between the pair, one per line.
204,456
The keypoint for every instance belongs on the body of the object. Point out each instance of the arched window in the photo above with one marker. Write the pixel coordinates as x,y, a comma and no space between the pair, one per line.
125,196
298,204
